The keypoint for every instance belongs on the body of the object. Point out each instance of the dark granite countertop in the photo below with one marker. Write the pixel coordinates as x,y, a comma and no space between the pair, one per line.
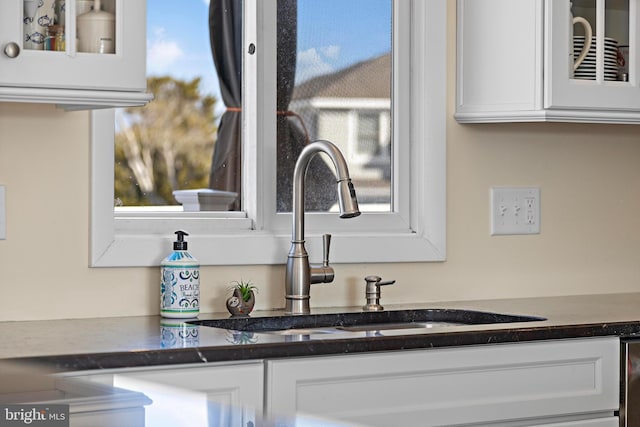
150,340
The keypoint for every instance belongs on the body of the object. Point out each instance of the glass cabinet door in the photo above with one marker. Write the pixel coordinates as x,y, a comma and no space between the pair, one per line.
73,44
599,40
591,53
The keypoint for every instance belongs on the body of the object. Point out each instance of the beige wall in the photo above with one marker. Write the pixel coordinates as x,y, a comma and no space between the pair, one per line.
589,177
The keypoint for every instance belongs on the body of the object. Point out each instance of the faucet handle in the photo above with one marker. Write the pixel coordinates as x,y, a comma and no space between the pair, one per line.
324,273
326,245
376,281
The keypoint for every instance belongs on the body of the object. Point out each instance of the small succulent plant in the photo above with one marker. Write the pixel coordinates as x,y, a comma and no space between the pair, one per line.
245,289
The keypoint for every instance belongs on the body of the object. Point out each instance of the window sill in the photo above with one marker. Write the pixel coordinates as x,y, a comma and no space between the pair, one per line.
251,247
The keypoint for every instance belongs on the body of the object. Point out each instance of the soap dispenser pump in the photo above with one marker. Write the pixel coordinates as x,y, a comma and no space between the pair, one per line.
180,287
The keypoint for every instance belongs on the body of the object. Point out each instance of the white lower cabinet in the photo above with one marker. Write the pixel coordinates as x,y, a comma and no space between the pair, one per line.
558,383
220,394
598,422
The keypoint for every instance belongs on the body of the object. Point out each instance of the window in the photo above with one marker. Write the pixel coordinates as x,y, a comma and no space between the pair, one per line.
367,141
411,228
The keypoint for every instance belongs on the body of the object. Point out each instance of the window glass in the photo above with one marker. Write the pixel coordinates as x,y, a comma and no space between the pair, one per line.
168,144
587,16
334,83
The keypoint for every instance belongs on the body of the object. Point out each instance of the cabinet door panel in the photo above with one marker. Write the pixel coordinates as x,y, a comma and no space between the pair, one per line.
220,394
497,63
450,386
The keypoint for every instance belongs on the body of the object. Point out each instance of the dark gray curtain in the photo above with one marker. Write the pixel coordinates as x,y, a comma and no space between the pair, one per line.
225,32
225,22
321,191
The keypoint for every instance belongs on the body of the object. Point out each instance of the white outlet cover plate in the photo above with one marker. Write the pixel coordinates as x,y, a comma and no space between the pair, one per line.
515,210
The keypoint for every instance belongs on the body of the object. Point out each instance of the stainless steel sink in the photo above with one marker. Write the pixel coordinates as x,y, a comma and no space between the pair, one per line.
363,328
312,324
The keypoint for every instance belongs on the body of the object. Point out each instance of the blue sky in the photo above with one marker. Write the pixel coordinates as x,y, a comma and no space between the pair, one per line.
178,40
333,34
178,37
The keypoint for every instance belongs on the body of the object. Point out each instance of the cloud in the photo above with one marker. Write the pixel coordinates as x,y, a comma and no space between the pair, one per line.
314,62
161,53
332,52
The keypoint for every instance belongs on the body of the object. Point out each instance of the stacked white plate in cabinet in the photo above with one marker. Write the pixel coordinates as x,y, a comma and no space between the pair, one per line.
587,69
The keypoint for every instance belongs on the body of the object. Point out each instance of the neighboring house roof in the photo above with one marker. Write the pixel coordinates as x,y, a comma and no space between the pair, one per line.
366,79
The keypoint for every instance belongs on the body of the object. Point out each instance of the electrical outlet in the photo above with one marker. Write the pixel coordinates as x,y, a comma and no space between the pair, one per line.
515,210
3,214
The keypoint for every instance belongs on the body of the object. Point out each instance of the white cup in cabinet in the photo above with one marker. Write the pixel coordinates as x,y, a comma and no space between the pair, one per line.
588,32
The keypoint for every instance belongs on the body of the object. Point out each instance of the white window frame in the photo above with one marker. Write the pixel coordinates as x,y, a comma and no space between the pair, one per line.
413,231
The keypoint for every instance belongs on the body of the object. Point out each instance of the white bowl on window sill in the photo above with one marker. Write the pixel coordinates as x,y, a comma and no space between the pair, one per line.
205,199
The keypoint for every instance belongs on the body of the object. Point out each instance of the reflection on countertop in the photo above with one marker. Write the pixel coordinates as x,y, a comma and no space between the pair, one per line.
34,395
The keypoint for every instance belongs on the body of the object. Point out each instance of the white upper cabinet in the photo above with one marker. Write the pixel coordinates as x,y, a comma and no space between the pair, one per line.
100,62
529,60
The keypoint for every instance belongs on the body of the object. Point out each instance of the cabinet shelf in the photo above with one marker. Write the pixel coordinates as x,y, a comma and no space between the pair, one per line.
75,99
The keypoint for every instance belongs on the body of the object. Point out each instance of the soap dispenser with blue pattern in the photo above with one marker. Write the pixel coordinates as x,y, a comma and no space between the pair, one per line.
180,287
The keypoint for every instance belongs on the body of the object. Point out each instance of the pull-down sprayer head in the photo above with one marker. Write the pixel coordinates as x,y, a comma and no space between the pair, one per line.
347,199
346,193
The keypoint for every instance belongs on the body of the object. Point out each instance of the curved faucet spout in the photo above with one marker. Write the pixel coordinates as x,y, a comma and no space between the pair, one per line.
299,274
346,193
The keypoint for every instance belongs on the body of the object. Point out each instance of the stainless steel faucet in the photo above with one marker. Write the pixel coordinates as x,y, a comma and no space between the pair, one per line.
300,274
